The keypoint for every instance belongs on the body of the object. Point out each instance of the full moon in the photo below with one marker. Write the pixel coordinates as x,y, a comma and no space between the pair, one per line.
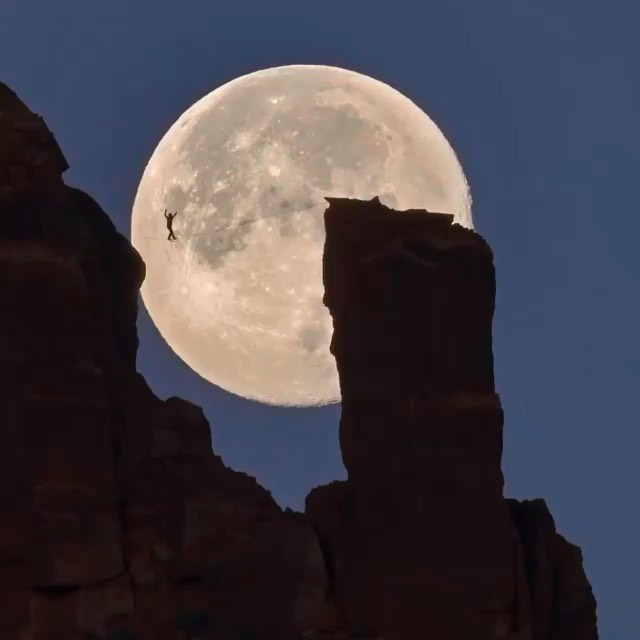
238,294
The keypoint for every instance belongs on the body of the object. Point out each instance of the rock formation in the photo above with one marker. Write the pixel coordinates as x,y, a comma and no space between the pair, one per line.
117,520
420,538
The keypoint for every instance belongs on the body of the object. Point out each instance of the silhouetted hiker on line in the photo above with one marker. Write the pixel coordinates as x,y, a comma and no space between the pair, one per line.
170,217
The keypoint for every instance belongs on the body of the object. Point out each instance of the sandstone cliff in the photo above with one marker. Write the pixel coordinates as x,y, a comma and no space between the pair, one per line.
118,521
419,538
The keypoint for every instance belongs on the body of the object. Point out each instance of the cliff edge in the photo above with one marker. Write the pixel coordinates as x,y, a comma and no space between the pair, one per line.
420,537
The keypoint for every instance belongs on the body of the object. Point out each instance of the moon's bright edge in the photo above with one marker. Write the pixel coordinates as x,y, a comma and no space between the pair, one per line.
238,295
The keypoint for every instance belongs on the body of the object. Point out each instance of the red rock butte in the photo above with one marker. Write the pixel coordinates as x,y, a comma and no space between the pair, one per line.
118,521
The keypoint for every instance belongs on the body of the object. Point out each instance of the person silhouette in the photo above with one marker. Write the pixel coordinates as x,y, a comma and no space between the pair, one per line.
170,217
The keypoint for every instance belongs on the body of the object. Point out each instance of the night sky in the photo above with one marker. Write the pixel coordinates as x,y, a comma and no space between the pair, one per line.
539,98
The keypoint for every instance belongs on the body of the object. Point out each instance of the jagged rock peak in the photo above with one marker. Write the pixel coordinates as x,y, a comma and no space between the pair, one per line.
29,153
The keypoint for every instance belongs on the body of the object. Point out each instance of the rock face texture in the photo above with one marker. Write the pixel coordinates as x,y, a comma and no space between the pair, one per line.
420,539
117,520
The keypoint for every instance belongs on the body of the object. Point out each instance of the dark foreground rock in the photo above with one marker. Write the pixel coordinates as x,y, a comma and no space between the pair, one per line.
419,539
118,521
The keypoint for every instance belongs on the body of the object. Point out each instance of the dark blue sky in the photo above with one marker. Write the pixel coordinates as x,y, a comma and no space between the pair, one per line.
540,99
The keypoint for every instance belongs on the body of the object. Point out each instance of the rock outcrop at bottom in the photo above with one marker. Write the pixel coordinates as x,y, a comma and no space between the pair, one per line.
118,522
562,603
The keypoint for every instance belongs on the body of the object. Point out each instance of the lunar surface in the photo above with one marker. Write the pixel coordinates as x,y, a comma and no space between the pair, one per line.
238,295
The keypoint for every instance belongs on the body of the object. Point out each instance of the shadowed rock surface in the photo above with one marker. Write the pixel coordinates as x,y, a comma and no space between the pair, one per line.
419,538
118,521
